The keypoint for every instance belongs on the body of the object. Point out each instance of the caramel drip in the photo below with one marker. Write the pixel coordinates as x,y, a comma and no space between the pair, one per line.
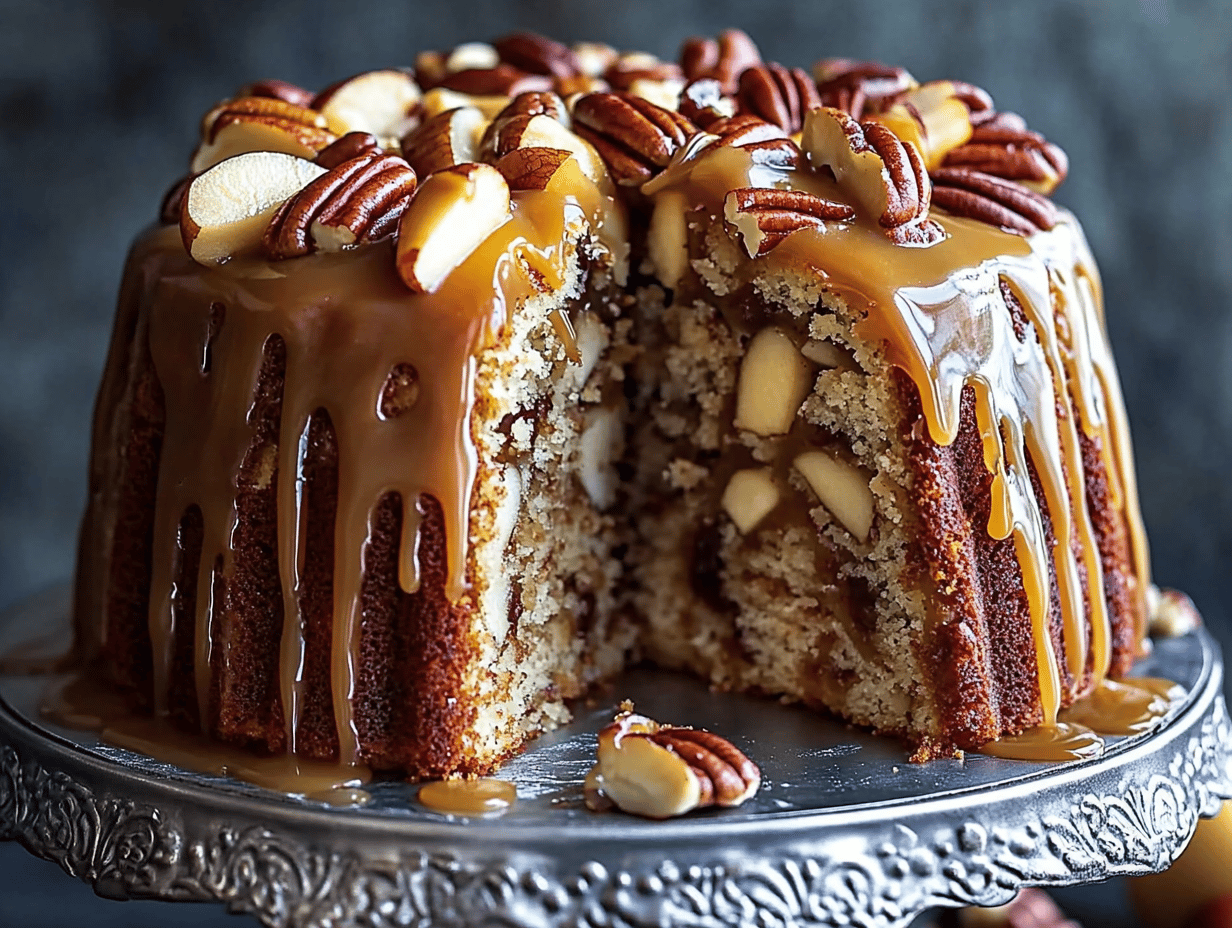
1124,707
941,317
86,702
346,321
469,797
1057,743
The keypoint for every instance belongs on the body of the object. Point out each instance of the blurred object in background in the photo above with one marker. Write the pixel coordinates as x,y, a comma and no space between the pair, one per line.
1196,892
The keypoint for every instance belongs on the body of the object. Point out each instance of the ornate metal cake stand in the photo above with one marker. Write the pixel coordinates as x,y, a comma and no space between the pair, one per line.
844,831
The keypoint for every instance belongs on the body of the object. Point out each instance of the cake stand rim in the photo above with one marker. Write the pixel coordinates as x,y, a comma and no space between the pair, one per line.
186,840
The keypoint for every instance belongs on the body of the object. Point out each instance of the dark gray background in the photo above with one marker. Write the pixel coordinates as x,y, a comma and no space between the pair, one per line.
99,104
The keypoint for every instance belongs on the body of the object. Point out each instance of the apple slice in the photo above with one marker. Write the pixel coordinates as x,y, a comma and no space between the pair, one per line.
379,102
226,209
842,488
455,210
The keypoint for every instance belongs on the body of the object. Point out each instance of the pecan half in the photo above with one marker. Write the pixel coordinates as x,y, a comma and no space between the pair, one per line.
777,94
639,66
537,54
702,102
724,59
766,143
660,771
883,174
357,201
1013,154
977,99
852,85
502,80
935,117
351,145
975,195
524,105
991,119
633,136
443,140
249,124
278,90
764,216
531,168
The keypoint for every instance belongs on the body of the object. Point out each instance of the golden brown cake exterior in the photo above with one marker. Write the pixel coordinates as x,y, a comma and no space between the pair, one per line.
437,397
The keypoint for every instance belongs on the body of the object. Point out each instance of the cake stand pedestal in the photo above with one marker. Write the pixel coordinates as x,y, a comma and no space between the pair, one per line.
844,831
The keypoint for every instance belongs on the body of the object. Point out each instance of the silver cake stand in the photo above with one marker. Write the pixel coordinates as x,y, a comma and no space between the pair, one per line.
844,831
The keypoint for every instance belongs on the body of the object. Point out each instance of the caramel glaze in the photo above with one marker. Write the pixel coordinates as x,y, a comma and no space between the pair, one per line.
1044,400
248,404
82,701
469,797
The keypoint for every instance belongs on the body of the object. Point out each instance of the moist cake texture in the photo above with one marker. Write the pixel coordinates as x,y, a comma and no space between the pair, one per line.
441,395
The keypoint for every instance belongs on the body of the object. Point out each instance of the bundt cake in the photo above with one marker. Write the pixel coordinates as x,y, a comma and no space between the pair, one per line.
442,394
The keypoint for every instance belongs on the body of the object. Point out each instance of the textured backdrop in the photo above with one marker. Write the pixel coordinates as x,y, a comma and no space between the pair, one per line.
99,104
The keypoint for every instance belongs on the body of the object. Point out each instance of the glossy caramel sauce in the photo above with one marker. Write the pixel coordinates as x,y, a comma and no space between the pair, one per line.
1124,707
469,797
1059,742
82,701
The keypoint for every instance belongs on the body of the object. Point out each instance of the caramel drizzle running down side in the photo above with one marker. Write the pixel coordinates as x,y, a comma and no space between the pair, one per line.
346,321
941,317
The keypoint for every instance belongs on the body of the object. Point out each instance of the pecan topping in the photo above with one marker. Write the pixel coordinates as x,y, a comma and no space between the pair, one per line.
977,98
594,57
357,201
764,216
351,145
852,85
935,117
724,60
777,95
443,140
883,174
639,66
261,124
766,143
537,54
278,90
660,771
702,102
1013,154
991,119
975,195
503,80
504,131
633,136
537,103
531,168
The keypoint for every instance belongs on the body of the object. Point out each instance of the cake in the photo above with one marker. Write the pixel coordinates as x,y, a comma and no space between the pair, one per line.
440,396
